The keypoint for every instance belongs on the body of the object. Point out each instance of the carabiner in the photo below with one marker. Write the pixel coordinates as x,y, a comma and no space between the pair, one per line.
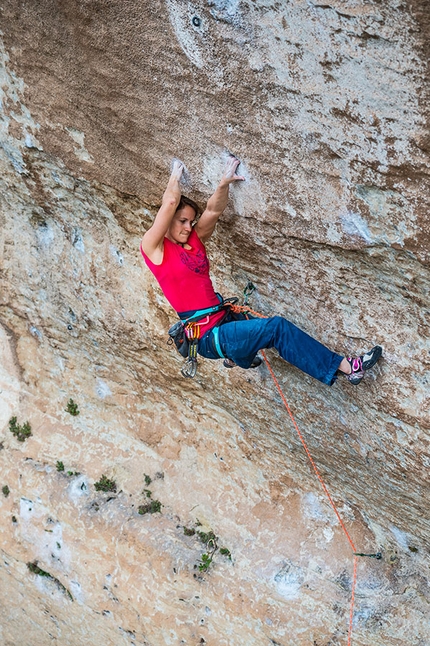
189,369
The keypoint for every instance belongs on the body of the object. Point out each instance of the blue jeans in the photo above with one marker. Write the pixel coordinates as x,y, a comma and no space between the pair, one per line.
241,340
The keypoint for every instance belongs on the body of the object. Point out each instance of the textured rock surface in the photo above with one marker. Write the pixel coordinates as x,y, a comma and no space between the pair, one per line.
327,106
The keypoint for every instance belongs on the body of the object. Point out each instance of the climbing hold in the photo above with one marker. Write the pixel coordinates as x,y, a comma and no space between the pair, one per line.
196,21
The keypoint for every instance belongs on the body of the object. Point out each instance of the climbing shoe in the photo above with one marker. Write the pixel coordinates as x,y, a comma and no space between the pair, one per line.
229,363
360,364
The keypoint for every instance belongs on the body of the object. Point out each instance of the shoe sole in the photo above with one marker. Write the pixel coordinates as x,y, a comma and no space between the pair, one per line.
355,378
228,365
374,355
257,362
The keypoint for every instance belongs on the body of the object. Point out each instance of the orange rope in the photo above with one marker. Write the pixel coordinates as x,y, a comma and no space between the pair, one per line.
326,491
308,453
245,309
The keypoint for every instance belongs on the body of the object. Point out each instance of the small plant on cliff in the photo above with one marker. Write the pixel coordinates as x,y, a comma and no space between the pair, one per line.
207,558
60,468
205,537
189,531
211,542
150,508
148,480
6,491
20,432
72,408
33,567
105,484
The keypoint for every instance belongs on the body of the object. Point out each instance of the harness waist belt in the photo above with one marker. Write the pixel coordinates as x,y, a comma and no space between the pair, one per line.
189,317
195,315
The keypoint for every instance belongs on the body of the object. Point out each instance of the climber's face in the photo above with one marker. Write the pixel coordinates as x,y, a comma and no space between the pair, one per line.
182,225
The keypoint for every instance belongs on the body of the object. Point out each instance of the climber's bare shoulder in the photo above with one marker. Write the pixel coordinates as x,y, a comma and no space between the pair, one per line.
155,253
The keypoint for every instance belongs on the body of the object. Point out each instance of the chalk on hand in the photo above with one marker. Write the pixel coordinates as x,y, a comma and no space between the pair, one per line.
185,178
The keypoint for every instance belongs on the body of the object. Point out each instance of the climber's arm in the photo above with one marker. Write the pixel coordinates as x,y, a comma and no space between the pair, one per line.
218,201
152,241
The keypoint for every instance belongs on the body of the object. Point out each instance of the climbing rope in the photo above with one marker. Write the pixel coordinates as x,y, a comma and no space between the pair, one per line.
326,491
245,309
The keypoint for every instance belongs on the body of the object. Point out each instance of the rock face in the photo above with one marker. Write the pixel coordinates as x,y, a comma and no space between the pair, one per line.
327,107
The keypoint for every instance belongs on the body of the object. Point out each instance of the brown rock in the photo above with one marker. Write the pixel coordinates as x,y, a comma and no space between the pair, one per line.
327,107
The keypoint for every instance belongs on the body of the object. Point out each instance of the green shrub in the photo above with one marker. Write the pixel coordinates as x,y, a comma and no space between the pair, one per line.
150,508
20,432
189,531
72,408
105,484
205,537
33,567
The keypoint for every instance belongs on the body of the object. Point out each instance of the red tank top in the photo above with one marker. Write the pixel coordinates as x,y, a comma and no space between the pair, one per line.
184,279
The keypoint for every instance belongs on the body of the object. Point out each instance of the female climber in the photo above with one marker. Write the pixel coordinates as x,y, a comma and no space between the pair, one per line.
174,250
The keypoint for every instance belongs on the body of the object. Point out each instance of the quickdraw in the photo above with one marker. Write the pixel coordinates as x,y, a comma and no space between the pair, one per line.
247,292
192,331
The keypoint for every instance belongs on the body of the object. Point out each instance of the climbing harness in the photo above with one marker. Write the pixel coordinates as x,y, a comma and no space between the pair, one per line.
215,336
185,334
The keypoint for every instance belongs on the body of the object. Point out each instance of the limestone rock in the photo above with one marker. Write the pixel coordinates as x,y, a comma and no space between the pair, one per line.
327,107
